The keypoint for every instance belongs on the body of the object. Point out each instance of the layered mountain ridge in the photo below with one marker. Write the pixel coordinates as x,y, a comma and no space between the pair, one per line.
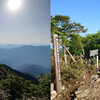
26,58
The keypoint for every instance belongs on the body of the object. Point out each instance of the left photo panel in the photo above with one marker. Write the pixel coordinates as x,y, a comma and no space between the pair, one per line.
25,50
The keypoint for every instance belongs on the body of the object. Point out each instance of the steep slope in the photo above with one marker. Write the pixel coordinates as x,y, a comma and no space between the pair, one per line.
15,85
6,71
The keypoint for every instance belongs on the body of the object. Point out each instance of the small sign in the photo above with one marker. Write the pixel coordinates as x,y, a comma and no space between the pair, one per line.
94,52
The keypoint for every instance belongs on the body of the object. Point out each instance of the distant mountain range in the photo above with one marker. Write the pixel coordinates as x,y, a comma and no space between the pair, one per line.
26,58
9,46
33,70
6,72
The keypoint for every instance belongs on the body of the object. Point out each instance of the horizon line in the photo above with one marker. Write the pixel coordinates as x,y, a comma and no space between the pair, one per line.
26,44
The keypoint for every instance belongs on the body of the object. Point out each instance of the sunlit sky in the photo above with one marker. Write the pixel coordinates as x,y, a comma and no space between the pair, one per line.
28,24
86,12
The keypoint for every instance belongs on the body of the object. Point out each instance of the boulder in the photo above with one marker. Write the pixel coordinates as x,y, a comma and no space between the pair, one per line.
53,94
83,93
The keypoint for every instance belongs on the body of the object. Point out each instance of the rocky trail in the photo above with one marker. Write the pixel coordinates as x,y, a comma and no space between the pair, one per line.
86,87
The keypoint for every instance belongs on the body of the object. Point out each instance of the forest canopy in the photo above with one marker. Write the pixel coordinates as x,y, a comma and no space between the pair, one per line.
72,35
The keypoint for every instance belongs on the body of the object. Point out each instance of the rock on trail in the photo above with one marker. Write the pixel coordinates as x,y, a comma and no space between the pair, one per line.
87,89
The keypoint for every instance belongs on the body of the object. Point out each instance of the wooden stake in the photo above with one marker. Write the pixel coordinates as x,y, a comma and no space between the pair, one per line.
83,51
57,63
68,52
65,56
97,61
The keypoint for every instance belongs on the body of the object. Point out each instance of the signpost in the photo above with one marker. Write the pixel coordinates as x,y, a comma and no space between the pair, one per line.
94,53
57,63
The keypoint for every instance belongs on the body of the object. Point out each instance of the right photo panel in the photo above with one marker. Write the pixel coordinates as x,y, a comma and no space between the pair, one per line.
75,50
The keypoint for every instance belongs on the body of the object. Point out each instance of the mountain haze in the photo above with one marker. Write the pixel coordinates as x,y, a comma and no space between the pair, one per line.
33,70
16,57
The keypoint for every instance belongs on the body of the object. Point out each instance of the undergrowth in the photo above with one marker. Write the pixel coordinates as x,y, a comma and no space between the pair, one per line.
73,69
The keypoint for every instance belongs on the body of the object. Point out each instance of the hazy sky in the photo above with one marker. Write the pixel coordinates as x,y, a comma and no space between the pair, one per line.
30,24
86,12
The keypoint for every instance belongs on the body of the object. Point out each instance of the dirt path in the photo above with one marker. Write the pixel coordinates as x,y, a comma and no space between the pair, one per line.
83,88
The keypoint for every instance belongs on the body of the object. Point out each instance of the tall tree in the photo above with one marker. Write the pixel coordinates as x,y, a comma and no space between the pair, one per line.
75,45
64,27
57,24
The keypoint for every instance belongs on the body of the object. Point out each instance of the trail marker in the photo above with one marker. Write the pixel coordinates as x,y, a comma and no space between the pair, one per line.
94,53
57,63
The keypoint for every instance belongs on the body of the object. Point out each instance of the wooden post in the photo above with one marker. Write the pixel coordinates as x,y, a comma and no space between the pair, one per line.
83,51
57,63
65,56
68,52
97,61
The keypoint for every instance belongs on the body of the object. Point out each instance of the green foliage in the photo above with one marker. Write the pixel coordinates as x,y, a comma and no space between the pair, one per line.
68,32
51,52
72,70
75,46
70,74
15,87
7,72
44,86
69,35
62,25
91,42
